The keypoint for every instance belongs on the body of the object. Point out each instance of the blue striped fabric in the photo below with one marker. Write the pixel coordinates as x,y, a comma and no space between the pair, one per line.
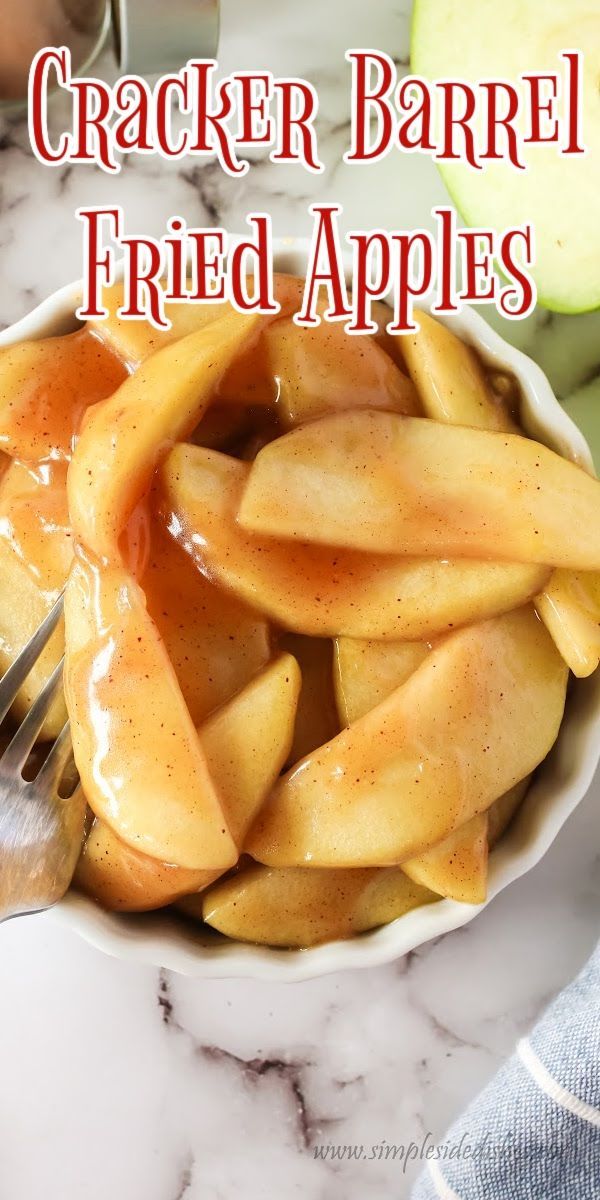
534,1132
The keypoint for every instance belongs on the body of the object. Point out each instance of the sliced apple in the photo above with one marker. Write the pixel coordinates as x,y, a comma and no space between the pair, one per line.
570,608
247,741
456,867
316,716
450,379
504,39
480,713
35,556
246,744
502,811
124,437
216,644
319,591
136,340
45,389
136,748
296,907
324,369
366,671
122,879
377,481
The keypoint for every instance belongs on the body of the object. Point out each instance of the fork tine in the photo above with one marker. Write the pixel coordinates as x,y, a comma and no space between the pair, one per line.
16,753
19,670
53,767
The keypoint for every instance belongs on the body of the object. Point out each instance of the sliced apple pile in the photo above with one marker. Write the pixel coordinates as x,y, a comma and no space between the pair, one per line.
385,483
321,591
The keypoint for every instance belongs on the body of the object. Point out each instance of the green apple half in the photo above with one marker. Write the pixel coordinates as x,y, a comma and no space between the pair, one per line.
474,40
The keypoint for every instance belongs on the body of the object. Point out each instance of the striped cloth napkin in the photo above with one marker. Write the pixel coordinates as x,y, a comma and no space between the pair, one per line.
534,1132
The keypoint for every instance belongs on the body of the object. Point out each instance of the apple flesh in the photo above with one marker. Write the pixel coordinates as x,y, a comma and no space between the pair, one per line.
141,764
215,642
456,867
46,388
125,436
502,811
385,483
294,907
324,370
248,740
570,608
246,744
316,716
319,591
439,750
122,879
450,379
35,556
366,671
558,194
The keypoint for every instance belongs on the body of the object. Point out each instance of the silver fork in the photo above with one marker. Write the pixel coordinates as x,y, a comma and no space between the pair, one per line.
40,831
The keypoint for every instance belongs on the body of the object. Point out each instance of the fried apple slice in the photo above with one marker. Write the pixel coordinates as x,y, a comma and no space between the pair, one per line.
247,741
215,642
366,671
450,379
456,867
319,591
122,879
141,764
135,341
480,713
570,608
381,482
502,811
45,389
316,716
124,437
454,389
245,744
324,370
35,556
296,907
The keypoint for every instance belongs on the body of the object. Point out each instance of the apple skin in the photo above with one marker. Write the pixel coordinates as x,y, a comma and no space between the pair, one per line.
502,39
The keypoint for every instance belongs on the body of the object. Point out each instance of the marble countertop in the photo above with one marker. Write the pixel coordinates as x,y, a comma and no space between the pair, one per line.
120,1080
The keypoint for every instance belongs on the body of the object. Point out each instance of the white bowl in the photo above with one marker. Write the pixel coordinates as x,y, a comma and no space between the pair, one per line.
163,940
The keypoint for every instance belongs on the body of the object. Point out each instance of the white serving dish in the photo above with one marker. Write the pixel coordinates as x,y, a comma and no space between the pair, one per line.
561,783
